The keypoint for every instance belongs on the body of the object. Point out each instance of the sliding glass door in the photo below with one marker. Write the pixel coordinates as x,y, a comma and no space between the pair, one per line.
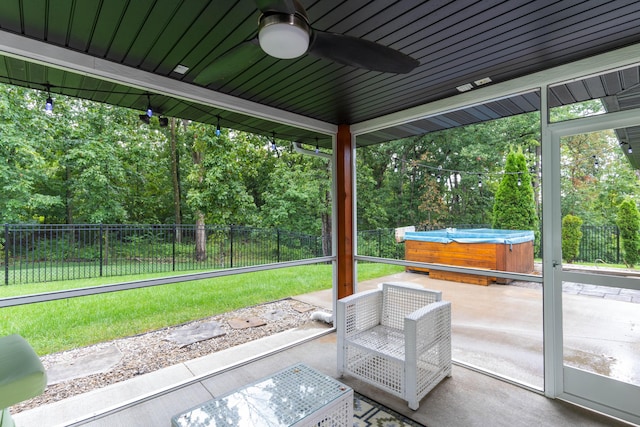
594,306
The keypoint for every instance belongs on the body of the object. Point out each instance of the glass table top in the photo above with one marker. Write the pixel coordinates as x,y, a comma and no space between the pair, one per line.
282,399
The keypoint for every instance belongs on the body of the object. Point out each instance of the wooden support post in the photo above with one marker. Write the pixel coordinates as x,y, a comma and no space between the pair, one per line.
344,175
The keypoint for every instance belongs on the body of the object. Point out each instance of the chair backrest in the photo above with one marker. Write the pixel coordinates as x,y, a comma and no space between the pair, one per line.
400,299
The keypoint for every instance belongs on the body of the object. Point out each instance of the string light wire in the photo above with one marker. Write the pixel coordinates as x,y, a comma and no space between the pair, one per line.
229,122
439,171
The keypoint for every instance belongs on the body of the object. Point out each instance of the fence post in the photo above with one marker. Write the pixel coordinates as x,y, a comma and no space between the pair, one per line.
6,254
101,248
231,244
278,244
617,245
173,248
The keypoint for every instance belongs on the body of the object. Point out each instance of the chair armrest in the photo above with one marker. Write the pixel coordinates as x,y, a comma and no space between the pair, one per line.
429,324
22,375
358,312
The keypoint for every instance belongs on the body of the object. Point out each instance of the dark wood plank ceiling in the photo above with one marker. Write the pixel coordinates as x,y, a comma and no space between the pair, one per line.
456,42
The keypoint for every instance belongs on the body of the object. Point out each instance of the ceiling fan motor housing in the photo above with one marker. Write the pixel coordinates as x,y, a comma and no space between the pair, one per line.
284,36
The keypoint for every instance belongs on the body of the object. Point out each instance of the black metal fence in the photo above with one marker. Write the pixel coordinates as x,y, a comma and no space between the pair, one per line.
598,244
33,253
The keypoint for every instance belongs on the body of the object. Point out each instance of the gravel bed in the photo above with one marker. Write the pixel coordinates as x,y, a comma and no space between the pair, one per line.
148,352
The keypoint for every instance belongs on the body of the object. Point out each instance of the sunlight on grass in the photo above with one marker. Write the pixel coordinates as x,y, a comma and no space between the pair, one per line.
76,322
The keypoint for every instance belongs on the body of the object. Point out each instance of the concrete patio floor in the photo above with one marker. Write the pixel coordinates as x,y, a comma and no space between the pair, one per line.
497,328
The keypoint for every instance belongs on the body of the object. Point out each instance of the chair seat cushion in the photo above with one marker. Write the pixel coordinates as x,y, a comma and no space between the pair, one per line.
381,339
22,375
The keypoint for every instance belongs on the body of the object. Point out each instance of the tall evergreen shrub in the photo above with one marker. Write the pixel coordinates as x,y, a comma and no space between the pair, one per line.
571,236
514,205
629,222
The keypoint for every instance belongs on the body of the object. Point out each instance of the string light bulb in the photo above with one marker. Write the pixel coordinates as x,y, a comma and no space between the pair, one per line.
479,181
317,147
218,127
149,109
48,106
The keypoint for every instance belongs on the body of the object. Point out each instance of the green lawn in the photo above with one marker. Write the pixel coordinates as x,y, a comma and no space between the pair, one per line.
76,322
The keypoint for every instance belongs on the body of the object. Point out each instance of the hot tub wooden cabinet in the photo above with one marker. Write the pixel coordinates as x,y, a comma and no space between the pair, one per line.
501,250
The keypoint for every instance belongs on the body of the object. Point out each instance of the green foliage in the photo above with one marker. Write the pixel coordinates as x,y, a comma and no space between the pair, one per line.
23,154
576,110
216,177
297,194
628,221
90,162
433,180
595,174
514,206
571,236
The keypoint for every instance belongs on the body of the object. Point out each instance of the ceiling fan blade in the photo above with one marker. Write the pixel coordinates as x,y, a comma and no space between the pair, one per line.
360,53
279,6
231,63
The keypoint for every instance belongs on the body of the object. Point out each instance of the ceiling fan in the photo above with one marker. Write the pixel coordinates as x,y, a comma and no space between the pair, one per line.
284,32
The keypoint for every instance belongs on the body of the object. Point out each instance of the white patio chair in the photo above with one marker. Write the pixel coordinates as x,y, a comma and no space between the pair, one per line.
397,338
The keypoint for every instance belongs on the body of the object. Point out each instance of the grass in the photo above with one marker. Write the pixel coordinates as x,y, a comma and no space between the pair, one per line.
77,322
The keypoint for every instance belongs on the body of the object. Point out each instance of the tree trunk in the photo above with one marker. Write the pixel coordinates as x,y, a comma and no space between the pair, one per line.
536,175
326,234
326,218
67,196
175,177
201,235
201,238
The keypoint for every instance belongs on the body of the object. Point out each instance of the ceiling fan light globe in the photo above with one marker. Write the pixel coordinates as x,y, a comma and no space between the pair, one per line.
283,37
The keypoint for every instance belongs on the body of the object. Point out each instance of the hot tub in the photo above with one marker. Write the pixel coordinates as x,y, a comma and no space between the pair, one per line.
485,248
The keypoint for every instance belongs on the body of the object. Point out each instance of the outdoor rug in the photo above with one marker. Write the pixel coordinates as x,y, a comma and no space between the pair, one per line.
369,413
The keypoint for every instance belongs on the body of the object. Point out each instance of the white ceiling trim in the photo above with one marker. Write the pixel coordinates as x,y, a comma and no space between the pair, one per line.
53,56
606,62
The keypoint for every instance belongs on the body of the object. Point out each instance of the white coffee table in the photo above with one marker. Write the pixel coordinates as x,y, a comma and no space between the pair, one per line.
296,396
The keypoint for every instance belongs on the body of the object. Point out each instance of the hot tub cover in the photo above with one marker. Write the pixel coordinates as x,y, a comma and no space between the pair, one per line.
472,235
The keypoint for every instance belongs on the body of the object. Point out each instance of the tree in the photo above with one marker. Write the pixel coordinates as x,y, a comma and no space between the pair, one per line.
434,180
96,183
216,193
297,195
596,175
24,169
174,156
514,206
628,221
571,236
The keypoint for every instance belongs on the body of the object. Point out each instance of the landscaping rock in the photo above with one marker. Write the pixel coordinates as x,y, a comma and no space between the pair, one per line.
195,333
248,322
